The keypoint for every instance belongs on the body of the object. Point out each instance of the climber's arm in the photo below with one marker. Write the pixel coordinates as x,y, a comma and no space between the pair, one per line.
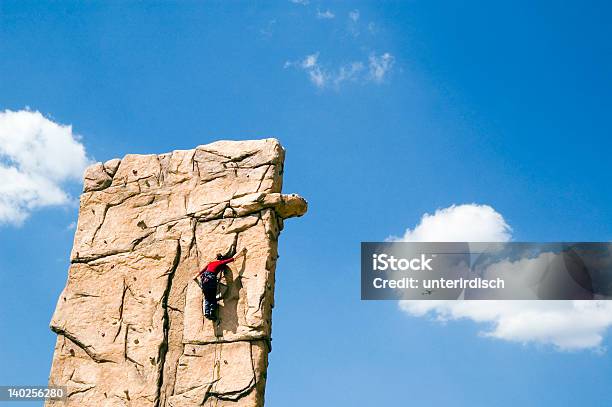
214,266
223,262
201,271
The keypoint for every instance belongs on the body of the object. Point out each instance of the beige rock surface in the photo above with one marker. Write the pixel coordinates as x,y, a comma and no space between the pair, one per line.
129,322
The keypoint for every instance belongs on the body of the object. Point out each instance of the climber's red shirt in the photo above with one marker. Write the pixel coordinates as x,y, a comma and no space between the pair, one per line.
215,266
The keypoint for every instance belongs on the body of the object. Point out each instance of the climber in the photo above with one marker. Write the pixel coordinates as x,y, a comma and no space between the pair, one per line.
208,277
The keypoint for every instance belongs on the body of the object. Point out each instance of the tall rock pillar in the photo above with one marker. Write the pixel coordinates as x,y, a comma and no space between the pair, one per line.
129,323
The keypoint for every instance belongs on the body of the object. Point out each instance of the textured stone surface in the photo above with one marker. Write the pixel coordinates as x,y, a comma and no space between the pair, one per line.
129,322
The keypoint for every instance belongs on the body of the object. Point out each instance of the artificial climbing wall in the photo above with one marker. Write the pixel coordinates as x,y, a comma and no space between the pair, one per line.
129,323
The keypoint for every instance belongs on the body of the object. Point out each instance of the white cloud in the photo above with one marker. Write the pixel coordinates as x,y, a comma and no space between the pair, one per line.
37,157
355,71
460,223
311,66
302,2
353,23
566,325
325,15
348,72
310,61
268,30
380,65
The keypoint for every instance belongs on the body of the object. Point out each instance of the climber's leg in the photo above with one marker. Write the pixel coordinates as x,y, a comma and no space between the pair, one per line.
213,306
205,307
209,288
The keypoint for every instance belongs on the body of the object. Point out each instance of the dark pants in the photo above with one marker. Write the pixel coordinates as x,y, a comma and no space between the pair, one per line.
209,288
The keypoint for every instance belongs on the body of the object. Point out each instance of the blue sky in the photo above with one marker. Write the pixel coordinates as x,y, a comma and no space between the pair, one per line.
503,104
